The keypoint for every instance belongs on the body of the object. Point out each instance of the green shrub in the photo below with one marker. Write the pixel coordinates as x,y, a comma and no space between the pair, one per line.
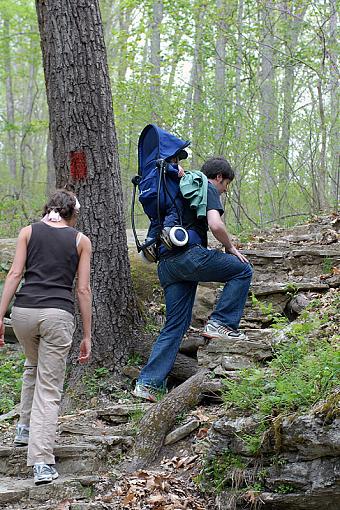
11,369
304,371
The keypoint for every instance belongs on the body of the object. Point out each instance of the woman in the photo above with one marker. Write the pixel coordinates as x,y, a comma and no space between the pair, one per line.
52,253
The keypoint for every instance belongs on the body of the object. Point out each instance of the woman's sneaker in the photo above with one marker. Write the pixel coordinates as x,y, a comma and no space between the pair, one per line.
21,435
215,330
44,473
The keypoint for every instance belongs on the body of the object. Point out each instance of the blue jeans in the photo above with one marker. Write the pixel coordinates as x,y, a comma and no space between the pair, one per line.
179,276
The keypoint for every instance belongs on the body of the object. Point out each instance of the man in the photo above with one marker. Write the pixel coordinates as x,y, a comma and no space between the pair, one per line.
180,270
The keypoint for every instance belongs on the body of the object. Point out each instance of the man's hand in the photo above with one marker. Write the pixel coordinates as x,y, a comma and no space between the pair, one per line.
84,350
2,333
234,251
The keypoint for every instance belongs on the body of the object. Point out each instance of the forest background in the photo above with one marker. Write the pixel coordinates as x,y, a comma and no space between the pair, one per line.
256,81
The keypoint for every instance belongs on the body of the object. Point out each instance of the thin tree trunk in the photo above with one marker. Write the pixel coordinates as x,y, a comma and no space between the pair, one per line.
10,120
334,136
220,96
322,193
294,21
197,83
267,113
155,59
238,111
85,154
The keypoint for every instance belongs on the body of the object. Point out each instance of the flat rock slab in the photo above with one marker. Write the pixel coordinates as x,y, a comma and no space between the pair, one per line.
258,347
13,490
82,458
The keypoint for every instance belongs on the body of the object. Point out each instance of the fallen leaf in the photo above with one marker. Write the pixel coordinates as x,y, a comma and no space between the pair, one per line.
202,432
128,498
64,505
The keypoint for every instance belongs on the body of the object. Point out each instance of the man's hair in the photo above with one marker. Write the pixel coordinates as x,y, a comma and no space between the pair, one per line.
218,165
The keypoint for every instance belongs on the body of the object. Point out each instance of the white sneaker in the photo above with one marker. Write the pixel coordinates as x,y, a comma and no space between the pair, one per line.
215,330
44,473
144,392
21,435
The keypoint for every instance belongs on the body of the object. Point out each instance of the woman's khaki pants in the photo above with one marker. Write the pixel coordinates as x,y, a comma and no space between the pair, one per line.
45,335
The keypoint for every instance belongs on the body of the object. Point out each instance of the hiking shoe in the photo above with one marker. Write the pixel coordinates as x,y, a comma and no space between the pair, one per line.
21,435
44,473
215,330
144,392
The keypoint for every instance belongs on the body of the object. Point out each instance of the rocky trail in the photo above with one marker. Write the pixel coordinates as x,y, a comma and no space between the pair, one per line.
291,268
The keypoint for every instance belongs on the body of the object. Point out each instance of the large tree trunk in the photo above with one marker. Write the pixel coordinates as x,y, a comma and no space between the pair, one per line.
85,154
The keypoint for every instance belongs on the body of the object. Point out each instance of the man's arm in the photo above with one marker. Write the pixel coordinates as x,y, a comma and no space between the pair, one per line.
219,231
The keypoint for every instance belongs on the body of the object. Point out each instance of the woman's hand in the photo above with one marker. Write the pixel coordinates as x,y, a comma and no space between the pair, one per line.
84,350
2,333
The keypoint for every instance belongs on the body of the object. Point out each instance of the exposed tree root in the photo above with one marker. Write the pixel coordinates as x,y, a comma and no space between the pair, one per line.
155,425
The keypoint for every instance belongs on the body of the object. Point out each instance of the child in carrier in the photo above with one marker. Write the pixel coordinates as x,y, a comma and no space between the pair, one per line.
159,174
172,216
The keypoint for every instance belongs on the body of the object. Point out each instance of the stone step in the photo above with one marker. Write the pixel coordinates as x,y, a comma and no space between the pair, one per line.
82,457
227,356
19,493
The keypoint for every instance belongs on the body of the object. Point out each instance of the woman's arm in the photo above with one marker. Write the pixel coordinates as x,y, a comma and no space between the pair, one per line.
14,277
84,296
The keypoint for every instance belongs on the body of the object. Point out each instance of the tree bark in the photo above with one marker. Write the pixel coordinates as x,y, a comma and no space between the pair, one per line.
238,110
267,113
85,155
155,59
294,22
157,422
197,83
10,120
334,135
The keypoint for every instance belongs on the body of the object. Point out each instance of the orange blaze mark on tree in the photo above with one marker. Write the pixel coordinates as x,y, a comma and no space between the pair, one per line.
78,167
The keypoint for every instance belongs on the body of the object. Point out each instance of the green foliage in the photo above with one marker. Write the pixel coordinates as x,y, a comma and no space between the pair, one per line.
221,472
135,417
11,369
284,488
95,381
327,265
277,319
134,360
303,371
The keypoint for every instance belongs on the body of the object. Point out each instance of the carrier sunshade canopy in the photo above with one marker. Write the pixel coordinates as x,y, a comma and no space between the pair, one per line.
155,143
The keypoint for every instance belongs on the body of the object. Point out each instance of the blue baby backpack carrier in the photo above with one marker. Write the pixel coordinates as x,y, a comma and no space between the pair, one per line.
158,190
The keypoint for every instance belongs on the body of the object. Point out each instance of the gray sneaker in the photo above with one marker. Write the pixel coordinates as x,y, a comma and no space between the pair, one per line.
21,435
215,330
44,473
